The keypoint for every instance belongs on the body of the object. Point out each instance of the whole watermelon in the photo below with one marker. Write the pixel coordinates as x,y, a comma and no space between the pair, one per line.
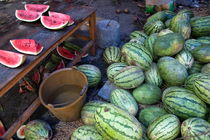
136,55
124,100
201,87
185,58
166,127
183,103
161,15
138,34
202,53
38,130
113,69
195,129
88,111
191,44
86,132
189,82
204,39
112,55
195,68
147,94
92,72
152,76
153,27
129,77
206,69
169,44
149,114
172,72
115,123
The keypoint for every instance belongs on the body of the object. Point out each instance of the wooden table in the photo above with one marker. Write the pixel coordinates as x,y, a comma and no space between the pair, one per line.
49,39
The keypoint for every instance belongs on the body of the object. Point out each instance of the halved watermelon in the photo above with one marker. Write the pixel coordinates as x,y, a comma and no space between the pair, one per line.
27,46
62,16
53,23
28,16
11,59
37,7
65,53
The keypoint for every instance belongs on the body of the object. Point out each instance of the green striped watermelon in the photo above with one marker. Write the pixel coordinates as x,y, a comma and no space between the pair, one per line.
149,114
169,44
124,100
204,39
202,53
138,34
92,72
202,87
161,15
172,72
200,26
195,68
185,58
166,127
86,132
188,84
169,14
88,111
183,103
136,55
113,69
112,55
195,129
153,27
206,69
129,77
149,43
114,123
191,44
152,75
147,94
187,12
138,40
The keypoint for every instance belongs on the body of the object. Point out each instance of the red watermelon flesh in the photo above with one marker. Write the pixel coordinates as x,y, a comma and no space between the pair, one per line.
65,53
28,16
27,46
11,59
53,23
37,7
62,16
2,130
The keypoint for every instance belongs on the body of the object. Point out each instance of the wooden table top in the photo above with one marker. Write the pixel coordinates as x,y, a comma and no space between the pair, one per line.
36,31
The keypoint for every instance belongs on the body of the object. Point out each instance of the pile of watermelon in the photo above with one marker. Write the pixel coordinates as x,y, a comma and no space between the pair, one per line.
163,80
34,12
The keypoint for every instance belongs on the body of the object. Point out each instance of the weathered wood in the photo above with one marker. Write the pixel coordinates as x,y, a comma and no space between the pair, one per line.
27,113
49,39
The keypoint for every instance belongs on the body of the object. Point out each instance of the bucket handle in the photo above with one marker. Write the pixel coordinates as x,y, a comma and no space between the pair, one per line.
66,103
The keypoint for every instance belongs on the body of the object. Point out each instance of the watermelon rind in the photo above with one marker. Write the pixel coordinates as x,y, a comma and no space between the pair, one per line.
38,15
20,132
24,42
61,26
16,58
46,7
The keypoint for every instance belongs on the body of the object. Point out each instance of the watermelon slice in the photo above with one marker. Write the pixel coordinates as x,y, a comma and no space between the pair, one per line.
62,16
27,46
78,53
65,53
37,7
2,130
11,59
53,23
27,16
21,132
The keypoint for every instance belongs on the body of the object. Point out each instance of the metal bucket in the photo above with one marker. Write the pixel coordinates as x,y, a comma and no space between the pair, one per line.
64,93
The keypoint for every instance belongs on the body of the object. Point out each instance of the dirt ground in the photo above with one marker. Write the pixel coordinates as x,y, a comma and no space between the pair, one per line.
13,103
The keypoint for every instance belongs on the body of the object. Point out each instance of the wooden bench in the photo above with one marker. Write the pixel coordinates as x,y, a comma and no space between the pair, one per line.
50,40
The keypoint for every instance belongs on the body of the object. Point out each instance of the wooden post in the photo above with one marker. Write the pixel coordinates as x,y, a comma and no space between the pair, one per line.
92,31
16,125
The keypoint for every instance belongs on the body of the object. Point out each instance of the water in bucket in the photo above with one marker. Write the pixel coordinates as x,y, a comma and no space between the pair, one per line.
65,94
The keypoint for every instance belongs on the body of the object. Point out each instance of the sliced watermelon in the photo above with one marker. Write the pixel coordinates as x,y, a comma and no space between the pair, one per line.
11,59
62,16
78,53
28,16
2,130
21,132
65,53
37,7
27,46
53,23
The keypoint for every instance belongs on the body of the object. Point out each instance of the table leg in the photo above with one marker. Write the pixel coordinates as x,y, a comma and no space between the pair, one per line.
92,31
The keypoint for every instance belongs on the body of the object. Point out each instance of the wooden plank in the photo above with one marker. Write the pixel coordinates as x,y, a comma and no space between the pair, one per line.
24,117
49,39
